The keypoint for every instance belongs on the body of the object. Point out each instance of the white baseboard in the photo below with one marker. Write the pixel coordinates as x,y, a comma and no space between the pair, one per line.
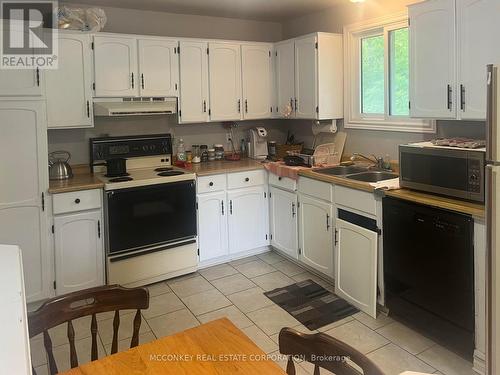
479,366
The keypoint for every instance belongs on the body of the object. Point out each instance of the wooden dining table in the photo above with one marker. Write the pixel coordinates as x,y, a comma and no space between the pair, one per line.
217,347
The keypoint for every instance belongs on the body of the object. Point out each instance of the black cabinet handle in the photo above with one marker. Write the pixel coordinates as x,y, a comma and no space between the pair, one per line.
327,222
142,80
38,76
462,98
296,105
204,106
239,105
211,184
293,209
133,84
231,207
450,102
88,109
99,228
246,105
222,205
77,201
280,178
247,179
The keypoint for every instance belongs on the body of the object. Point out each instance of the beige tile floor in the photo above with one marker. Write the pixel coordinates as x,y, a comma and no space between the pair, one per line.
234,290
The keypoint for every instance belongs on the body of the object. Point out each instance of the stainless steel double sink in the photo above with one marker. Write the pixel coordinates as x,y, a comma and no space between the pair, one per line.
357,172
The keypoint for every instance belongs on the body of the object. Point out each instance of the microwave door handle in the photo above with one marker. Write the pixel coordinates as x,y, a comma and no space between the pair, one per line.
492,114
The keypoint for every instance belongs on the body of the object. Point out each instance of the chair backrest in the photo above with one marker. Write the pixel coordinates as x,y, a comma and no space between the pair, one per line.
66,308
324,351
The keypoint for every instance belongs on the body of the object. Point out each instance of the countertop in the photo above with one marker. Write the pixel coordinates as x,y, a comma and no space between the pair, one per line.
224,166
474,209
82,180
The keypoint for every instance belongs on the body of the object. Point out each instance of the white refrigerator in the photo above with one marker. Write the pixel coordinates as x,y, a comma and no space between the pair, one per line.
493,221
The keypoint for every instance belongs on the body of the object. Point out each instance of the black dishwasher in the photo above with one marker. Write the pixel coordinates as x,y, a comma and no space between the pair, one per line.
429,272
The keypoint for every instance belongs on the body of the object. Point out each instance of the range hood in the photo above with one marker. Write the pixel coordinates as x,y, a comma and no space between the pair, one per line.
134,106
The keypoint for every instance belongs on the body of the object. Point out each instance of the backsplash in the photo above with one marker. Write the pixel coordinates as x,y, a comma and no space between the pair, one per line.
76,141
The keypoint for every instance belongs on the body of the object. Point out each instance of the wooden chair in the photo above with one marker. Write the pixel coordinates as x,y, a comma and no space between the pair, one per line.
323,351
64,309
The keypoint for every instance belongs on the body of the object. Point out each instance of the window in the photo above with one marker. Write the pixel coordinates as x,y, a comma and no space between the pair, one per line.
378,76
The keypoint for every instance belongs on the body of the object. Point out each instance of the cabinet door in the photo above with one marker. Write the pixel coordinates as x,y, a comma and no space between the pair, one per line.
247,220
79,251
306,77
433,59
316,234
115,64
256,73
23,186
285,76
69,87
158,67
284,236
212,225
356,266
224,65
478,27
193,99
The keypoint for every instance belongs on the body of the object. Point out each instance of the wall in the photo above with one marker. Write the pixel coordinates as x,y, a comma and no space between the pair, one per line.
377,142
132,21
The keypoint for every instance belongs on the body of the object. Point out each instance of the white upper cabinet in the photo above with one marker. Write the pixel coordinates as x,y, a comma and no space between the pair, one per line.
21,82
283,215
356,266
306,77
69,87
115,59
158,67
79,251
23,216
284,76
433,60
257,81
478,28
212,225
193,98
225,81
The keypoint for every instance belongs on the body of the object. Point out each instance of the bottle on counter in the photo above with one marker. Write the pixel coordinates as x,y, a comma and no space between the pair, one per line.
219,152
189,157
181,151
196,154
211,154
204,153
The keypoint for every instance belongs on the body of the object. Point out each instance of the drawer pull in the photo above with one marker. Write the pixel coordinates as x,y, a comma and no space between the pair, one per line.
211,184
77,201
247,179
280,178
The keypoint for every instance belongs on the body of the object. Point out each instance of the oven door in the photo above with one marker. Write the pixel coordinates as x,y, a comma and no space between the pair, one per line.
146,218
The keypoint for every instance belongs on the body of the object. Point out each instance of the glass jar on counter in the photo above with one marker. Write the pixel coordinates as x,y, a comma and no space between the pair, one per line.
211,154
204,153
196,154
219,152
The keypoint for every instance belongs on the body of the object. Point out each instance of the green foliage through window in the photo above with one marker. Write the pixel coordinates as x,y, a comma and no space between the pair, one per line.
399,72
372,75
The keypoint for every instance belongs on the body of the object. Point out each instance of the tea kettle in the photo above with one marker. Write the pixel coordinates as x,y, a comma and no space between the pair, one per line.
59,169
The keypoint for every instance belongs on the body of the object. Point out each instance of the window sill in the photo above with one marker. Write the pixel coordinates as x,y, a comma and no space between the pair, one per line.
395,126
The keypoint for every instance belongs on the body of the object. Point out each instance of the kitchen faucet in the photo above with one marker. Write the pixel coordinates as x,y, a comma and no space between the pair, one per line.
376,161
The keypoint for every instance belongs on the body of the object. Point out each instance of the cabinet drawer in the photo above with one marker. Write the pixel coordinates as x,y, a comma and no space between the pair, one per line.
246,179
207,184
317,189
76,201
282,182
357,199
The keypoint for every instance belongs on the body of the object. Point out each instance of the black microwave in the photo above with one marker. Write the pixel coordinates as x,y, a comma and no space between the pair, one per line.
449,171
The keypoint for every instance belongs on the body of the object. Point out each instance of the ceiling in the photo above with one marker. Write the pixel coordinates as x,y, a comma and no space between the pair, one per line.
264,10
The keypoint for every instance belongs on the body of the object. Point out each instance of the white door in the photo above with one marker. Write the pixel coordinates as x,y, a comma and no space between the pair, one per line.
283,213
285,77
193,98
115,64
158,67
212,225
478,28
316,228
248,219
306,77
69,87
79,251
433,60
23,189
224,66
356,266
257,81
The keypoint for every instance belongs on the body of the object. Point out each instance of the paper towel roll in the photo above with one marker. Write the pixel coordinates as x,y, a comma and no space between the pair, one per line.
324,127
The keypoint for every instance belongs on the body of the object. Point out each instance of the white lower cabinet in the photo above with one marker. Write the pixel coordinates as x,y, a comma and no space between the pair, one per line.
212,225
316,223
78,241
247,223
356,266
284,221
232,219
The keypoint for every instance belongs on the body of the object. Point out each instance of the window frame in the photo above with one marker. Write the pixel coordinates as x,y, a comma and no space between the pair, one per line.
355,119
